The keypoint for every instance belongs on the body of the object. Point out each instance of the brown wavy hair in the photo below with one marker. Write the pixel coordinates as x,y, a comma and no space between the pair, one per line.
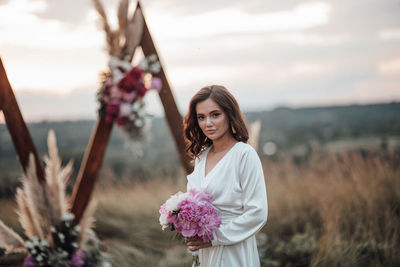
195,139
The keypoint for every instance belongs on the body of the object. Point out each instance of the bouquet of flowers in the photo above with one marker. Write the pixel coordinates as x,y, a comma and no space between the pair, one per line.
192,215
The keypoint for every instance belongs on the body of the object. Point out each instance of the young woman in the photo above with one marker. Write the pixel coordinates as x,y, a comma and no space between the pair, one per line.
230,170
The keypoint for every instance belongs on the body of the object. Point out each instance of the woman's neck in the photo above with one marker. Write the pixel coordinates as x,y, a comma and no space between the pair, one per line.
223,143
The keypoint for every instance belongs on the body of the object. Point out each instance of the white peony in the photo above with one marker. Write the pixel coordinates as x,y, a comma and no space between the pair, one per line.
136,106
125,109
117,75
155,68
173,201
115,63
139,123
163,220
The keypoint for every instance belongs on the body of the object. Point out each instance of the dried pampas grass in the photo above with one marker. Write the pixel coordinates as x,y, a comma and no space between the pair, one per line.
10,240
38,197
57,177
41,205
123,16
111,36
134,33
28,217
87,222
122,42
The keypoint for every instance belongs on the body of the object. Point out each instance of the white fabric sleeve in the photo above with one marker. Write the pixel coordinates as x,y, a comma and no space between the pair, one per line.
189,185
255,205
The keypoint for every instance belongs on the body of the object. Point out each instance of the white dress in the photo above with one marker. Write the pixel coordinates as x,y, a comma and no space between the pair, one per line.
237,188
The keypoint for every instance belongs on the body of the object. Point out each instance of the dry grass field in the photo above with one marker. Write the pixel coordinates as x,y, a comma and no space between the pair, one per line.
339,209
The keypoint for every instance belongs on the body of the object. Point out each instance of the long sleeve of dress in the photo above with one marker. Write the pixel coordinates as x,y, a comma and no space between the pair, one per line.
254,199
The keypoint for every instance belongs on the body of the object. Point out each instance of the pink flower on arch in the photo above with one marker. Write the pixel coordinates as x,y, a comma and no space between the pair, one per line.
121,120
115,92
156,84
112,108
142,90
129,97
129,82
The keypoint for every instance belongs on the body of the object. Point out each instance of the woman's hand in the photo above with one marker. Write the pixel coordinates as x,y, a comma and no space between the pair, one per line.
196,243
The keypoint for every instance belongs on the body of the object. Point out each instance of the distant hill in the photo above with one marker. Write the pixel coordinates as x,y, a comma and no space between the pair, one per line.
288,128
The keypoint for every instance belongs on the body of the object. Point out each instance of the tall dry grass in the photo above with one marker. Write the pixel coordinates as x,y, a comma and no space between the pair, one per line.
127,220
348,203
330,210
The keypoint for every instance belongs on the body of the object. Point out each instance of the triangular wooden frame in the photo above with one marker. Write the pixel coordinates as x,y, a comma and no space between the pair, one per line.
94,154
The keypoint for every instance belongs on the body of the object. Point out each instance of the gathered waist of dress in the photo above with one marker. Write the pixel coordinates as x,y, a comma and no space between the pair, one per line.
227,216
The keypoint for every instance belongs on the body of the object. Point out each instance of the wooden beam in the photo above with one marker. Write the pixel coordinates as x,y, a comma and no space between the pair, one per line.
19,132
174,118
90,166
95,151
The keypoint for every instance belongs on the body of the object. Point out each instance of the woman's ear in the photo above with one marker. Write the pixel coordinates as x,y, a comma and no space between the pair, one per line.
233,129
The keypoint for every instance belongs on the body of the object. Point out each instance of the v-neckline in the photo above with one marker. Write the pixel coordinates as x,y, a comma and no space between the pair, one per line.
205,160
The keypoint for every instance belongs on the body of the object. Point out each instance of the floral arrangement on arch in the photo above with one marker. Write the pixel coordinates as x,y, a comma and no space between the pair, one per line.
43,209
122,91
123,87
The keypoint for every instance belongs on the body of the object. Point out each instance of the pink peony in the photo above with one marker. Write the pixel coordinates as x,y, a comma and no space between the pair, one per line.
129,97
109,119
129,82
115,92
78,259
192,215
112,108
141,90
108,82
121,120
156,84
30,261
107,90
187,220
106,98
200,196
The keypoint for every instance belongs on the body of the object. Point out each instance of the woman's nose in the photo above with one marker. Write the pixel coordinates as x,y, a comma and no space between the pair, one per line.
208,121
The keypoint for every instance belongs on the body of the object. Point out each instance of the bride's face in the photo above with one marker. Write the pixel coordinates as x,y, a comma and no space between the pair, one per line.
212,120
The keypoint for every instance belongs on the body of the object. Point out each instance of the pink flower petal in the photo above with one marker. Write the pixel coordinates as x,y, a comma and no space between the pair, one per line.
188,232
156,84
129,97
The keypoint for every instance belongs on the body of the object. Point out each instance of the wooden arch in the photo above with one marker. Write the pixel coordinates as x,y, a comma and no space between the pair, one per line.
94,154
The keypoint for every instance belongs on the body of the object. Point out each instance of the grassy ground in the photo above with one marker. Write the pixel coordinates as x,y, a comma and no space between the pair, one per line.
329,210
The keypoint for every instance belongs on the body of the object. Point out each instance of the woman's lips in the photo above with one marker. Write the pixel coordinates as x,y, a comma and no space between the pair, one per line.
210,131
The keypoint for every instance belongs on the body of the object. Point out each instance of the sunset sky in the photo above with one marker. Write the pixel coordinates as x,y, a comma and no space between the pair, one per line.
268,53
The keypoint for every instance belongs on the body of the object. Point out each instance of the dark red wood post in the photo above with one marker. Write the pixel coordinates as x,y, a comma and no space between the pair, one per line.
90,166
174,118
19,132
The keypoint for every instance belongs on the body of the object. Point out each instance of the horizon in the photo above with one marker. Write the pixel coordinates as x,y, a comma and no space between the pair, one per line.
344,105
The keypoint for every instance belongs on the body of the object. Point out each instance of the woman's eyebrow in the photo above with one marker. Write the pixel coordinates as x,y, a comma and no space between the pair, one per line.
213,111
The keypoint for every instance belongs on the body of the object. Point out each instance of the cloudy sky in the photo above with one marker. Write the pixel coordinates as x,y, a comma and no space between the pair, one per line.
268,53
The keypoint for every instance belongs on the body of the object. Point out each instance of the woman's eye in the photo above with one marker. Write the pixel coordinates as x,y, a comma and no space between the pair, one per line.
216,114
200,117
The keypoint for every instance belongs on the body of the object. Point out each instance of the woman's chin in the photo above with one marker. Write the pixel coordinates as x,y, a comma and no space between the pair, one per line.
212,137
